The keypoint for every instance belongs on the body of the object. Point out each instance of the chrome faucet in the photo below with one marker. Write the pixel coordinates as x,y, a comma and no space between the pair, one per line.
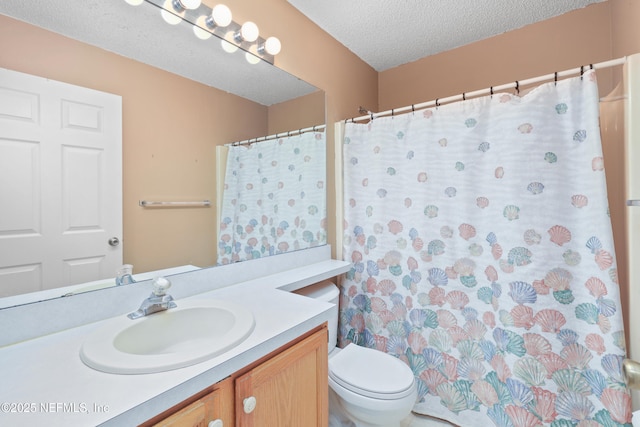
124,275
159,300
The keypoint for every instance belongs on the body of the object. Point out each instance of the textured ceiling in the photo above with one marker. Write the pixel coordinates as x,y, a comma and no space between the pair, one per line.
388,33
140,33
384,33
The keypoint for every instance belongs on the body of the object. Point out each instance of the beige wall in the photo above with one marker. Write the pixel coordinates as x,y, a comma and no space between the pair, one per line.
596,33
314,56
168,150
303,112
568,41
625,31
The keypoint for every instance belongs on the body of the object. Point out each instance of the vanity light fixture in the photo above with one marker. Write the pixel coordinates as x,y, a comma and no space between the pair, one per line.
251,58
186,4
218,21
271,46
174,9
228,47
170,18
199,31
220,17
170,14
248,32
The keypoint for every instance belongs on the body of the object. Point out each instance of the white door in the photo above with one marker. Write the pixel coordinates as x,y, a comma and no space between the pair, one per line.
60,184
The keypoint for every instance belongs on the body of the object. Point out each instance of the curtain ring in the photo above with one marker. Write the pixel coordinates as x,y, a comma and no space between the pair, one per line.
371,116
413,108
491,91
392,112
555,78
518,87
590,67
581,71
437,103
464,96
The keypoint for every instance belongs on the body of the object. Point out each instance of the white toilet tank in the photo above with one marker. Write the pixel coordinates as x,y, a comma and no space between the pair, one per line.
329,292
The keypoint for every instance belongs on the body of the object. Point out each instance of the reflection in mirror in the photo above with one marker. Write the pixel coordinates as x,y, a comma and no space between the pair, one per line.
180,100
273,199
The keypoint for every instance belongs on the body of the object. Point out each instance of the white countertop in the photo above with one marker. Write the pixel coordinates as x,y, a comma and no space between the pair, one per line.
46,376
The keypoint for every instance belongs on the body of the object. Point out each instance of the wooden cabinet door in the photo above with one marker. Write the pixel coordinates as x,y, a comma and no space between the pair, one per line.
217,405
194,415
290,389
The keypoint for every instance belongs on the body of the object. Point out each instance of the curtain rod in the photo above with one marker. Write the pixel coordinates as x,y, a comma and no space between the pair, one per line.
316,128
491,90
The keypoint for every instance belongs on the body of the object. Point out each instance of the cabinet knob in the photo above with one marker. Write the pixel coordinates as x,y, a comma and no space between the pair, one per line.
249,404
216,423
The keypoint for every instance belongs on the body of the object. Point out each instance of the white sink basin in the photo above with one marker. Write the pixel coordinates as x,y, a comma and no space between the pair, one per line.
188,334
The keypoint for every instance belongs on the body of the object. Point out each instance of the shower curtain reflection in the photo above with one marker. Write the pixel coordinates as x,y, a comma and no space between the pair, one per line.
274,198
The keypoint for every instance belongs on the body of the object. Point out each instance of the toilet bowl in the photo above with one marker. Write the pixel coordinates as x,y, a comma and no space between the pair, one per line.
367,387
372,387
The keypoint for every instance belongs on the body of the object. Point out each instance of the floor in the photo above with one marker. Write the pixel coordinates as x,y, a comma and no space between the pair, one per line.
415,420
337,418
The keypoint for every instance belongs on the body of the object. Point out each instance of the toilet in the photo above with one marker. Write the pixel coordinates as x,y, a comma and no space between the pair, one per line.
367,387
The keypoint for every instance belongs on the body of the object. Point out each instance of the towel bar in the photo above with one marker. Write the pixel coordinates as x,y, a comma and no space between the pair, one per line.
147,203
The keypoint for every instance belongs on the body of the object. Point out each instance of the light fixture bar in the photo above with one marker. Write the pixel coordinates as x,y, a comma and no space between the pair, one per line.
227,33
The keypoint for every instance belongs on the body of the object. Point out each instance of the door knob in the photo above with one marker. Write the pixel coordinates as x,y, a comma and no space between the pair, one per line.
114,241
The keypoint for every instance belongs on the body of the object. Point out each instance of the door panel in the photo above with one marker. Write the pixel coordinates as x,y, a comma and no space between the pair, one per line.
60,183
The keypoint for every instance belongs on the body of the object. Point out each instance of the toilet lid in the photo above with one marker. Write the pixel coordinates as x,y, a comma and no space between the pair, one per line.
371,373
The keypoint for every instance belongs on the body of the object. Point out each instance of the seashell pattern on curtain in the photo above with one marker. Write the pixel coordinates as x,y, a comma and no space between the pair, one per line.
483,257
274,198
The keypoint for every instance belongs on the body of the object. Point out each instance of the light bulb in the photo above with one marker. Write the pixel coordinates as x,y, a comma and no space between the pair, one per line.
272,46
189,4
228,47
170,18
251,58
249,31
134,2
221,15
198,29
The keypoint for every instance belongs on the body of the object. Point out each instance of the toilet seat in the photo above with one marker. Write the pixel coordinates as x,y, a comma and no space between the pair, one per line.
371,373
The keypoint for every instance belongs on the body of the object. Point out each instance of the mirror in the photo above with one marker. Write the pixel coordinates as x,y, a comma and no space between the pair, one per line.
181,96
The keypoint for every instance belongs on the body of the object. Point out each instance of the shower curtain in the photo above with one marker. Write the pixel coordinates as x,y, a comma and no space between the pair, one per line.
483,257
274,198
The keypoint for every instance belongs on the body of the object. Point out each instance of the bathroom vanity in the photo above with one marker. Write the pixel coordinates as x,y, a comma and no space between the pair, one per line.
282,364
286,388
